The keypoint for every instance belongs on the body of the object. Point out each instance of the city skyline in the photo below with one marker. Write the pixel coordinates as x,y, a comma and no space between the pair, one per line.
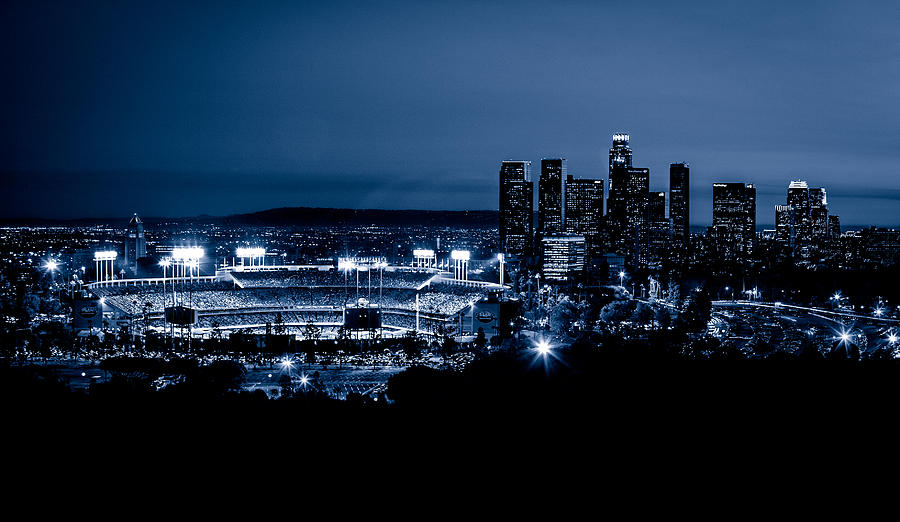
110,107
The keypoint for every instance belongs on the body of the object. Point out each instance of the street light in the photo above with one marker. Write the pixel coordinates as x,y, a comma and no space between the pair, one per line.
543,348
621,278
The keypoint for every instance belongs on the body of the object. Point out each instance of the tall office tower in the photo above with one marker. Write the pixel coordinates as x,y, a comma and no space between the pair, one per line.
818,213
680,203
584,211
552,196
619,163
784,228
834,226
626,211
620,153
563,257
516,208
135,243
734,219
660,227
799,201
637,212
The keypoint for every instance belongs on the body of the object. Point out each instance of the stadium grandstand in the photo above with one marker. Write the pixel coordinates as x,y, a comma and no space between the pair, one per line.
420,299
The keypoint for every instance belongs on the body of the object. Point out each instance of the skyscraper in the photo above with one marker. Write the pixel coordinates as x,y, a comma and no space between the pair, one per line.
552,196
584,211
818,213
135,243
627,208
805,216
660,227
516,207
834,226
619,163
799,201
637,211
680,203
734,219
784,229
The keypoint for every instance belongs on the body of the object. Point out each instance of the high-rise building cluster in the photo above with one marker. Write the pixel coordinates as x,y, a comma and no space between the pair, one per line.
570,211
640,226
803,221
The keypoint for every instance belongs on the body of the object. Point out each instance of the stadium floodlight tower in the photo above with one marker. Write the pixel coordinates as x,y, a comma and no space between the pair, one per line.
103,264
460,264
256,255
424,258
502,260
187,258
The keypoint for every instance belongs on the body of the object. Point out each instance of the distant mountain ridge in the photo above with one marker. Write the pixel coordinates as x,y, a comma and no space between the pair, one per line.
313,216
303,216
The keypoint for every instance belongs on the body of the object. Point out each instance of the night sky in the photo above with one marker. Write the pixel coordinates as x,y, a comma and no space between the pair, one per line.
219,108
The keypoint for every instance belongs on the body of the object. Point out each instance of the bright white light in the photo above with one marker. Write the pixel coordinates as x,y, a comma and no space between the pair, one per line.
621,274
105,255
845,336
422,252
287,364
187,253
500,257
52,265
892,338
251,252
878,311
836,296
346,265
460,255
304,380
542,347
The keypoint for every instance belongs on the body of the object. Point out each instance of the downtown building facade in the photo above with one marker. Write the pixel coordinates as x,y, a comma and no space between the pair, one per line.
803,221
733,231
680,205
627,216
584,212
516,208
659,227
563,257
552,196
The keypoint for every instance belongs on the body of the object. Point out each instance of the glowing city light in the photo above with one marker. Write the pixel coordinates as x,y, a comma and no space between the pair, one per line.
187,253
460,255
52,265
287,364
165,263
251,252
422,252
543,347
892,338
105,255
